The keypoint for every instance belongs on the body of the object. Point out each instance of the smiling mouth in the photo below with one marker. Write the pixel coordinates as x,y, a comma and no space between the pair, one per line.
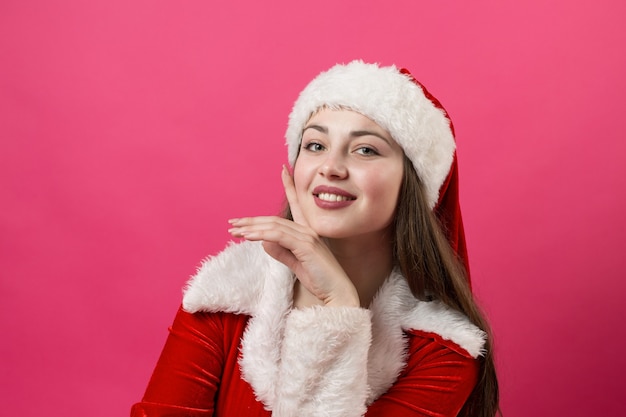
333,197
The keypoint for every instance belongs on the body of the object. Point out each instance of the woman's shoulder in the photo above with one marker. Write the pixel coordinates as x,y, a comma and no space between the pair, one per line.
435,320
422,345
432,320
235,280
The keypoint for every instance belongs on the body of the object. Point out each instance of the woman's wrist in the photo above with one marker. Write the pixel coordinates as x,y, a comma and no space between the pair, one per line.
347,297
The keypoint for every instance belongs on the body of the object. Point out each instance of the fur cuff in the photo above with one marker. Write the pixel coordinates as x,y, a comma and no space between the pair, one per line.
324,357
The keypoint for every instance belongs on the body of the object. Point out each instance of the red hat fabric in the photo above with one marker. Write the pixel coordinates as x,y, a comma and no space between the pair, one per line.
448,211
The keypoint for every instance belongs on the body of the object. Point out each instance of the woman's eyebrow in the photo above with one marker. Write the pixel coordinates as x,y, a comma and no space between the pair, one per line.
319,128
359,133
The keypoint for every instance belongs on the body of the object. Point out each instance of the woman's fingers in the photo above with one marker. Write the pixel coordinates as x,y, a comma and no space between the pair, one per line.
292,197
271,229
286,241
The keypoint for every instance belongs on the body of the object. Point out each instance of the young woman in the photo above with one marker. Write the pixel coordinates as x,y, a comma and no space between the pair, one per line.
357,301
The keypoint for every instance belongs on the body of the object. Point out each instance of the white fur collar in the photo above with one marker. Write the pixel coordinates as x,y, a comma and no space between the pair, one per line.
244,279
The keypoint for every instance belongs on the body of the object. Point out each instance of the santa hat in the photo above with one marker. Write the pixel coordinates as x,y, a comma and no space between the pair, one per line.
415,119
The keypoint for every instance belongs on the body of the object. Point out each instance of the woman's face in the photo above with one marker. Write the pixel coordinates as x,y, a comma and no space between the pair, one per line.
347,175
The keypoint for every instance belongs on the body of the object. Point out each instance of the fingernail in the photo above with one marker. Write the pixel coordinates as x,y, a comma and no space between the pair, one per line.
233,221
235,231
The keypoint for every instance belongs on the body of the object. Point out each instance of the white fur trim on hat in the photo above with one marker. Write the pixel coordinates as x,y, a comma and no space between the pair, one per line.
392,100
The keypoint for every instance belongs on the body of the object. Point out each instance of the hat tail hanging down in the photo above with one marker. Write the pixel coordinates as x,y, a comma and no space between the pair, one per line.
448,211
448,208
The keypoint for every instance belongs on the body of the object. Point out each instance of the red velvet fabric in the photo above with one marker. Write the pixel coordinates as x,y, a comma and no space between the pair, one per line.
198,374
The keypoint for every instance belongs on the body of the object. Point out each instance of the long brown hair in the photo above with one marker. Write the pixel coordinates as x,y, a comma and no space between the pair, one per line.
433,270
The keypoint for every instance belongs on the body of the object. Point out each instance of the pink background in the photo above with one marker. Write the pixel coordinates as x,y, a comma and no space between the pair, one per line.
132,130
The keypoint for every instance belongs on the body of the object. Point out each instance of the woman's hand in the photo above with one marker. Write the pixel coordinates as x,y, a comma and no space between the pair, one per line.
296,245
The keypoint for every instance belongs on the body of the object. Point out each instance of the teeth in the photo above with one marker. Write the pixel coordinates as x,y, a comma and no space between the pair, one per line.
332,197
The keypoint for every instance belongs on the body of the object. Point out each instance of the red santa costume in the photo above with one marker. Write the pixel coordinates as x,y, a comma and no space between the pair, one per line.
237,346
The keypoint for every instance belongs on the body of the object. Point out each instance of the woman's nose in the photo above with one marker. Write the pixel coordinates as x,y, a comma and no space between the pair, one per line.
334,166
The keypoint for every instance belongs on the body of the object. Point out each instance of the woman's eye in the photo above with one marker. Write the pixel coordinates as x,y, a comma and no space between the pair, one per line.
313,147
366,151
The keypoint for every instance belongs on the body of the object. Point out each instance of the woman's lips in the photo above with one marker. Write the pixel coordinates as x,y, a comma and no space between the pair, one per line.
332,197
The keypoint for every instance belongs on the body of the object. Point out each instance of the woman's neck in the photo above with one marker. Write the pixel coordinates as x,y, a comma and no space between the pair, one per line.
367,261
